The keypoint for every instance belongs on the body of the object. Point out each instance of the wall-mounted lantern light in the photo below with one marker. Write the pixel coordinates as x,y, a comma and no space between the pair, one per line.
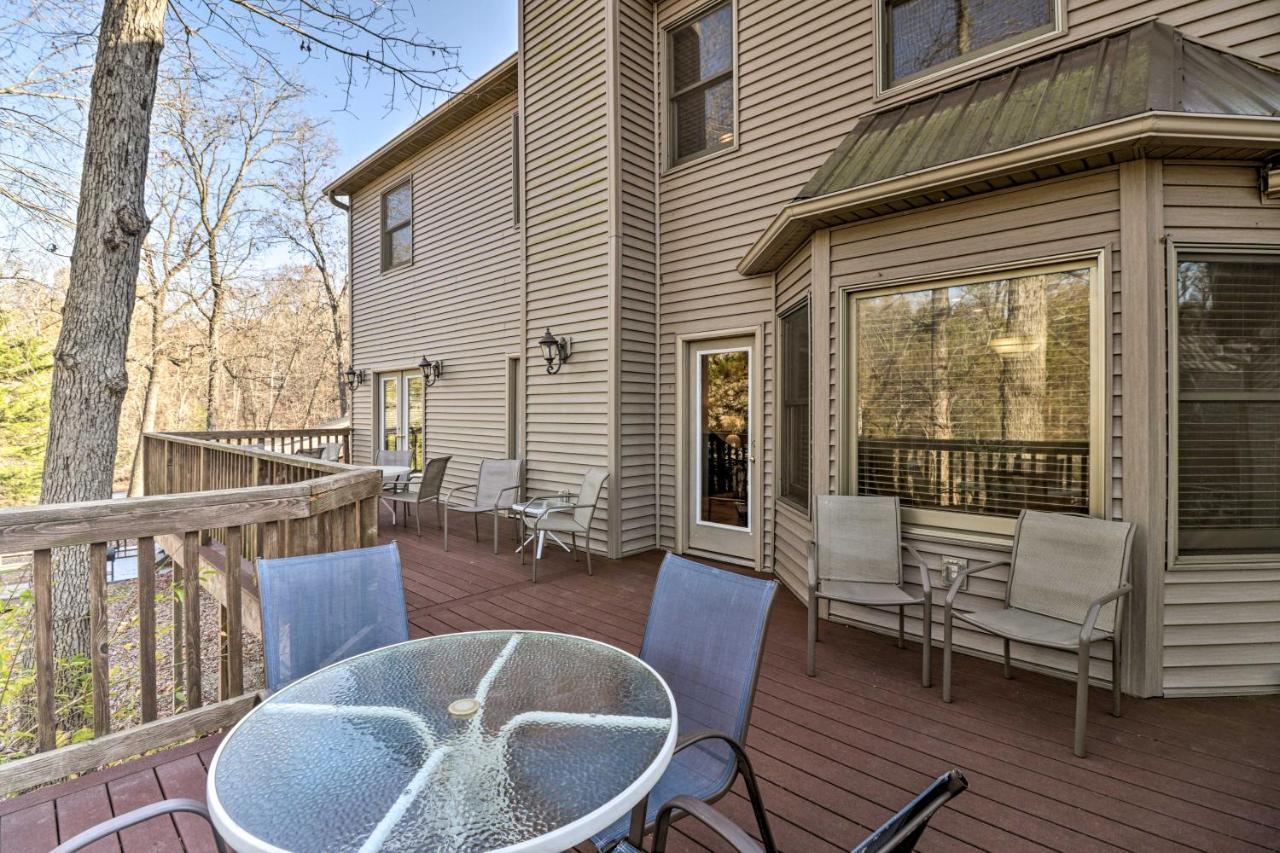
431,370
555,351
355,378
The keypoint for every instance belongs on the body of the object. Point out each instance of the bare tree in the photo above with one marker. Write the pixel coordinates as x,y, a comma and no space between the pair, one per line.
222,141
313,229
89,378
171,248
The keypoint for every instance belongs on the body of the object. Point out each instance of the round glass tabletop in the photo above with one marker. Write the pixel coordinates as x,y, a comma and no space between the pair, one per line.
493,740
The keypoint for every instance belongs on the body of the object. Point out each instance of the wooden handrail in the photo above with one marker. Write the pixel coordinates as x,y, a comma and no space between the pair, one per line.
252,503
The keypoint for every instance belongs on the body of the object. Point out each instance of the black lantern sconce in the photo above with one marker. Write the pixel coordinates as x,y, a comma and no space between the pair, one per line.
355,378
431,370
555,350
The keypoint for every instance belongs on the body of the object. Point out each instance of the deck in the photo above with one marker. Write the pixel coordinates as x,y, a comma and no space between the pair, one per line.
837,754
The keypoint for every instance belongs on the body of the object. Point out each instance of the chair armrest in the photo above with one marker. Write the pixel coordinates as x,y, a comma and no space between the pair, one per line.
448,497
108,828
924,568
497,504
537,521
1091,618
954,590
733,834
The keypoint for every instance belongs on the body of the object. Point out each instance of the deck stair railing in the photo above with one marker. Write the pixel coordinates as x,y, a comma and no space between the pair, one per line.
206,504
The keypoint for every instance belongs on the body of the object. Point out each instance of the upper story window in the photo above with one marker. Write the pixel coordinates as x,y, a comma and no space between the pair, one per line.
701,89
923,35
397,226
1227,368
975,398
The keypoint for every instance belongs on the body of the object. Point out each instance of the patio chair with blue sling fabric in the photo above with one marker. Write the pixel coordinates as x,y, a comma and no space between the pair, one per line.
899,834
704,636
322,608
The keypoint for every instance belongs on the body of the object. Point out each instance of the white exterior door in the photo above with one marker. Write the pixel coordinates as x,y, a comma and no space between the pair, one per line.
402,408
722,517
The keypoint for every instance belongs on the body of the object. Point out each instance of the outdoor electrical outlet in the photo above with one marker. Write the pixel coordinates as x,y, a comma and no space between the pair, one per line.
951,569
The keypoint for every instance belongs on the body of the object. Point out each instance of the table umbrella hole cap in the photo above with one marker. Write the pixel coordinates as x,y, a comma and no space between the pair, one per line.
464,707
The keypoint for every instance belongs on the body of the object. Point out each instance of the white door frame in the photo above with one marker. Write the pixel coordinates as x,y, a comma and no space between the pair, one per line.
756,496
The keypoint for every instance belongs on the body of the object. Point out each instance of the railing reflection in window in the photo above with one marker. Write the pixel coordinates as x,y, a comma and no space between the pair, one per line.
986,477
724,479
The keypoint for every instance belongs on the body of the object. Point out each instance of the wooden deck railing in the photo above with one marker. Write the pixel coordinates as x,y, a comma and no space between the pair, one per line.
200,495
279,440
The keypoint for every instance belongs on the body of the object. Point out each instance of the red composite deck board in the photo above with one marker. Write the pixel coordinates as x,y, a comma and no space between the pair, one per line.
836,754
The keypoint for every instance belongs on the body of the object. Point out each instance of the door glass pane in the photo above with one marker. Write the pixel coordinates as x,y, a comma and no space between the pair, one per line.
390,413
724,417
414,420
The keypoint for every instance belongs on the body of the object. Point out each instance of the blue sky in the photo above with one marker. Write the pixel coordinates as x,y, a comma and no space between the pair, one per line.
483,31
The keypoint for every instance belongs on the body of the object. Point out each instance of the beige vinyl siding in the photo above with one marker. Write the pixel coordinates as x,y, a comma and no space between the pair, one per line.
1079,214
459,299
567,252
1222,632
1221,625
805,73
790,527
636,335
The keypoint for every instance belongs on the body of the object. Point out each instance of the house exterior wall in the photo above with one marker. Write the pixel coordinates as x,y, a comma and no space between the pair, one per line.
626,255
459,300
805,73
567,256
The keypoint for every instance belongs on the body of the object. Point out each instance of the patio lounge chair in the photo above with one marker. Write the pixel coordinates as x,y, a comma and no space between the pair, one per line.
108,828
427,488
1067,577
704,636
496,488
856,558
322,608
898,834
399,482
574,519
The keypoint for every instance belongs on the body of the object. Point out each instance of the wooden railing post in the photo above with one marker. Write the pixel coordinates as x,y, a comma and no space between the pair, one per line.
234,617
98,660
191,614
42,582
147,625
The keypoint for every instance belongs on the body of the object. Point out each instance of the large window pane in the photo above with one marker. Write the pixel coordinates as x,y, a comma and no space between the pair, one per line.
975,398
700,90
1228,404
400,246
793,421
922,34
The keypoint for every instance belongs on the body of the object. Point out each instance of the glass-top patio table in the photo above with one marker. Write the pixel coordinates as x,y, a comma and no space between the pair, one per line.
492,740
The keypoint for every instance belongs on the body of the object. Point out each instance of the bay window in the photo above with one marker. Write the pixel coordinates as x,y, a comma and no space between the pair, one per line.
1226,442
793,408
972,399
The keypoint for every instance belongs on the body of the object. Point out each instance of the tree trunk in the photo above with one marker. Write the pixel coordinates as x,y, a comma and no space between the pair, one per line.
335,318
214,335
89,377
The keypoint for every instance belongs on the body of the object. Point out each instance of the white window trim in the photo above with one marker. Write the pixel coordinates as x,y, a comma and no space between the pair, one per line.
1173,248
668,159
886,88
956,525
